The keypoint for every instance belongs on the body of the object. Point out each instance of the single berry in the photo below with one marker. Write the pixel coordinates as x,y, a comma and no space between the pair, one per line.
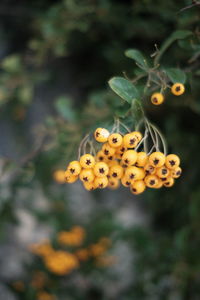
87,161
116,171
101,182
129,157
142,159
169,182
157,159
115,140
87,175
172,161
177,89
101,135
162,172
138,187
74,168
151,181
157,98
176,173
69,177
101,169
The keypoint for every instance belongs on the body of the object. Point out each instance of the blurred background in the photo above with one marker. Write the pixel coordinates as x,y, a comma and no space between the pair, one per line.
55,60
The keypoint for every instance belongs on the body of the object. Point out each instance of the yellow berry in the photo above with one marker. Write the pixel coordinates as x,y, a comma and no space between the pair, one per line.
159,184
176,173
149,169
86,175
101,182
130,140
157,98
100,156
157,159
138,187
89,185
101,169
113,183
108,150
69,177
172,161
74,168
129,157
133,173
125,181
142,159
162,172
112,163
101,135
177,89
115,140
137,134
151,181
169,182
116,171
121,149
87,161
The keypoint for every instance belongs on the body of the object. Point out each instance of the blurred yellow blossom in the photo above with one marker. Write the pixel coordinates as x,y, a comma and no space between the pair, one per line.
74,237
82,254
39,280
45,296
106,260
59,176
61,262
42,249
18,285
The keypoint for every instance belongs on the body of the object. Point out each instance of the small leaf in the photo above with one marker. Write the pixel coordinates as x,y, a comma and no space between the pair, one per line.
64,108
137,56
123,110
176,35
176,75
137,110
123,88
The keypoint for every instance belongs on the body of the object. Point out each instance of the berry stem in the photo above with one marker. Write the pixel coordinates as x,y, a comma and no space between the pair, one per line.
81,145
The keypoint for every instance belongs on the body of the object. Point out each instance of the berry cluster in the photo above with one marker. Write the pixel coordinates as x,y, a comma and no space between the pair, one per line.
177,89
119,160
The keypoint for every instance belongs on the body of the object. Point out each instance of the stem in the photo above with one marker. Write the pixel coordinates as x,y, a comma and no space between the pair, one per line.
81,144
123,125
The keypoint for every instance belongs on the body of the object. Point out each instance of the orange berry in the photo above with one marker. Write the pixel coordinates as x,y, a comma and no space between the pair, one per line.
69,177
157,98
86,175
74,168
142,159
101,135
101,169
116,171
151,181
177,89
172,161
108,150
115,140
157,159
138,187
87,161
129,157
101,182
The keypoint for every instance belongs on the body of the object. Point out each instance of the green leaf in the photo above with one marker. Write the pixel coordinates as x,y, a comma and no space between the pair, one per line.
176,35
176,75
123,88
64,108
137,56
123,110
137,110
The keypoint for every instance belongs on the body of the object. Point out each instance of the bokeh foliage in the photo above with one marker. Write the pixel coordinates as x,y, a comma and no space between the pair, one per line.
71,49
